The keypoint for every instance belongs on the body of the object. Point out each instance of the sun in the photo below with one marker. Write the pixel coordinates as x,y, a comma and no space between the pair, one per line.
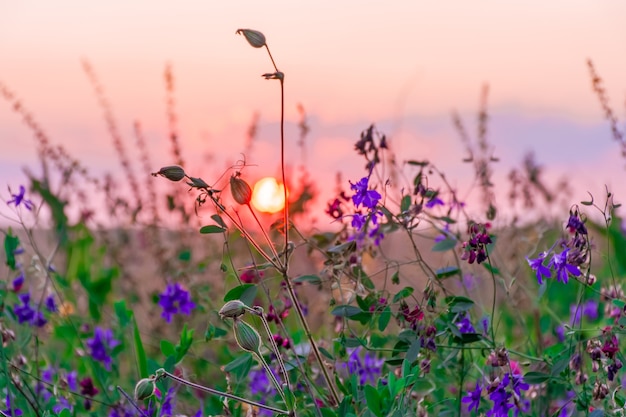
268,196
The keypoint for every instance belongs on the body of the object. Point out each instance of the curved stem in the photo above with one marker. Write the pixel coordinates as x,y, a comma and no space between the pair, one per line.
162,372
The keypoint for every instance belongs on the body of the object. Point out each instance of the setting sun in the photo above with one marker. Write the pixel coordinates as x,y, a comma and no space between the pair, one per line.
268,196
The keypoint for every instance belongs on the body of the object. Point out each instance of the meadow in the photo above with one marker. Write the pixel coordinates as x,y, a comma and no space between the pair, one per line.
405,305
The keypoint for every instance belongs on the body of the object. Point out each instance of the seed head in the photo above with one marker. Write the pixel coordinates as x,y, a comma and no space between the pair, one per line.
254,37
247,337
172,173
144,389
241,191
232,309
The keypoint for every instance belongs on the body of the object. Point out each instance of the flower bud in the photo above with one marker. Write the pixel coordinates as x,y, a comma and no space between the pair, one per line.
144,389
254,37
247,337
241,191
172,173
197,183
232,309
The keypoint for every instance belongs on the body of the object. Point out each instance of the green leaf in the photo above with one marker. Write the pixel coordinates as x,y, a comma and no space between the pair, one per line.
405,204
240,366
212,229
123,314
423,386
444,245
140,352
491,269
326,353
167,348
447,271
384,319
534,377
403,293
459,304
213,332
414,350
186,339
346,311
217,219
373,400
246,293
11,243
184,255
417,163
312,279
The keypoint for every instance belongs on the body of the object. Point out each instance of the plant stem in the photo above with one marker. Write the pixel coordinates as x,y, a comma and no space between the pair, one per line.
162,372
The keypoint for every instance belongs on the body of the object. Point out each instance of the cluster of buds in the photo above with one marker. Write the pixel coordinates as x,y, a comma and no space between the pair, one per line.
475,249
608,294
412,317
605,352
578,243
498,357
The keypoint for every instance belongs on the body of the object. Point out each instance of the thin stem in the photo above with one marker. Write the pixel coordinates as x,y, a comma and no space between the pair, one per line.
130,400
162,372
309,335
271,375
258,310
493,304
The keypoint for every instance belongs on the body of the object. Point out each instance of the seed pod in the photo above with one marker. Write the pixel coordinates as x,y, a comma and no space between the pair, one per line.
254,37
172,173
247,337
144,389
232,309
197,183
241,191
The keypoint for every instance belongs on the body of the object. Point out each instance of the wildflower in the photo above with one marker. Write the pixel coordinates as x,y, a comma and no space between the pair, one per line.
167,408
588,309
72,380
61,405
18,282
562,269
9,410
540,269
261,385
473,398
101,346
369,368
50,304
434,201
173,300
465,325
475,249
19,199
334,209
27,314
363,196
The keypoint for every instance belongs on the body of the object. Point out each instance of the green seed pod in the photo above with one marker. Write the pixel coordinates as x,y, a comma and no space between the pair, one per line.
254,37
241,191
172,173
247,337
197,183
144,389
232,309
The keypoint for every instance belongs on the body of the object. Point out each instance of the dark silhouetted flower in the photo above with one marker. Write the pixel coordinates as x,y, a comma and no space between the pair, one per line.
101,346
175,299
18,199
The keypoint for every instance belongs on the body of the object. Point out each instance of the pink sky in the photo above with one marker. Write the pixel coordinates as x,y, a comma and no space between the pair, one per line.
402,65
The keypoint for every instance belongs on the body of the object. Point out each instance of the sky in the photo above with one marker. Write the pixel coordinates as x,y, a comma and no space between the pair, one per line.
404,66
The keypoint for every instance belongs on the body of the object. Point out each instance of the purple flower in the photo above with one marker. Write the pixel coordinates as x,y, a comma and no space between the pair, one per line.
26,313
433,202
369,368
465,325
19,199
369,198
473,398
537,266
50,304
61,404
173,300
358,221
260,384
560,333
101,346
561,268
167,408
18,282
72,380
9,411
588,309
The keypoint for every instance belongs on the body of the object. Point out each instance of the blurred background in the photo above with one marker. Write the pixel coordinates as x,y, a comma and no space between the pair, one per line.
405,66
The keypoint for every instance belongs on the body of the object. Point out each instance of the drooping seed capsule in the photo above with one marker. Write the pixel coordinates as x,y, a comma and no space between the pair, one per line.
144,389
172,173
247,337
254,37
232,309
241,191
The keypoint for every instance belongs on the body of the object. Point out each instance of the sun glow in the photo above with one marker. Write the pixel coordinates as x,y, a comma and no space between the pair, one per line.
268,195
